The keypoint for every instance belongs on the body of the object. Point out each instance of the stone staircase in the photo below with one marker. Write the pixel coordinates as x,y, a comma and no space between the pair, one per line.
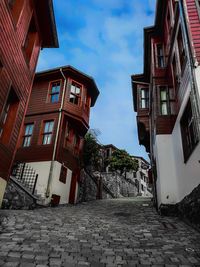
118,184
21,190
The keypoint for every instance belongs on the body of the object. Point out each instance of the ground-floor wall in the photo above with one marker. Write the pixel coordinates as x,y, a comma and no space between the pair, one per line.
48,185
3,184
166,183
176,178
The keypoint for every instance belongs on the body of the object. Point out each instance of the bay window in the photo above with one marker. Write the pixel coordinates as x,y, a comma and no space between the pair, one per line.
144,98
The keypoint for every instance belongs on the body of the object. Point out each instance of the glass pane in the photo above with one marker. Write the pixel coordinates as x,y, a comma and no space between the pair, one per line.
164,110
27,141
73,89
78,90
51,123
54,98
73,99
142,93
143,103
29,129
46,127
55,88
47,139
163,95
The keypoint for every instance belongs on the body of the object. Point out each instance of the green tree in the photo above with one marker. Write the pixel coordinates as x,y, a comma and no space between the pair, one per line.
91,150
122,161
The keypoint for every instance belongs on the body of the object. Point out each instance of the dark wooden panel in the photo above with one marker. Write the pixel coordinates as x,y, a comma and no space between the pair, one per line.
16,72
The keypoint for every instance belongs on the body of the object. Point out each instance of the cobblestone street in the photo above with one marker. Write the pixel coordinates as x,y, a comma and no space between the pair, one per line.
121,232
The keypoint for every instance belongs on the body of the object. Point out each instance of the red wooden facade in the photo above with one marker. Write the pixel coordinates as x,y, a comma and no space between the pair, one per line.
171,54
22,35
165,69
48,105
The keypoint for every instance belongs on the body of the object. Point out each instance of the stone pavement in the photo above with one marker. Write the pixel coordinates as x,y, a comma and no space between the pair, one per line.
120,232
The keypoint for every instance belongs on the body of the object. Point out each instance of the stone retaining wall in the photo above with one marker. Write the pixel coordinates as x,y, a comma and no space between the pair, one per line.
16,198
188,209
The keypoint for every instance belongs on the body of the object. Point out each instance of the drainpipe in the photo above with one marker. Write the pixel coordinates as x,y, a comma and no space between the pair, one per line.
192,61
57,134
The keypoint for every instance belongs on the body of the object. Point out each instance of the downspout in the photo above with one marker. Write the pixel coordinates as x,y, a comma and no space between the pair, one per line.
192,64
57,134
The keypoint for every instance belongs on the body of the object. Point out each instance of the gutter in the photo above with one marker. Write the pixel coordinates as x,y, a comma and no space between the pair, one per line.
57,134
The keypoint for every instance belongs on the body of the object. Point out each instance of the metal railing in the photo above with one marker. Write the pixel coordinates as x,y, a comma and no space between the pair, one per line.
26,175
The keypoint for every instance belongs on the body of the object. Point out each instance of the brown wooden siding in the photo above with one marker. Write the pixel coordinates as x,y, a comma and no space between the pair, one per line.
16,71
37,151
165,124
40,93
194,22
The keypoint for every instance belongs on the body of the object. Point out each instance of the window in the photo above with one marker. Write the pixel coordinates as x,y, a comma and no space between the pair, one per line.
28,134
164,101
75,93
48,132
54,92
181,48
134,175
144,98
76,141
175,72
4,116
30,40
68,135
8,116
160,56
188,131
63,174
15,8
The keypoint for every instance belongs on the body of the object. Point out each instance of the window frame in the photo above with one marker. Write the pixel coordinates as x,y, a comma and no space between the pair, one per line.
56,93
7,121
165,101
27,135
78,96
63,174
189,133
47,133
145,98
30,40
182,52
160,58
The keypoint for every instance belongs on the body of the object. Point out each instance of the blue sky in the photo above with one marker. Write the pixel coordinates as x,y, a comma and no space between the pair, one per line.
104,39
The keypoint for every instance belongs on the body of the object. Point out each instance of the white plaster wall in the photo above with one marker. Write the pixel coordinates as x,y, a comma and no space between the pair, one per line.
3,184
56,187
188,174
166,170
42,168
176,177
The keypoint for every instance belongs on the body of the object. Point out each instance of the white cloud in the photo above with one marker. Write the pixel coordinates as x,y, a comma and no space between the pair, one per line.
106,41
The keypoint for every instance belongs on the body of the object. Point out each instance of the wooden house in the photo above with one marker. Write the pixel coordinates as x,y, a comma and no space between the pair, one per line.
166,99
56,121
26,26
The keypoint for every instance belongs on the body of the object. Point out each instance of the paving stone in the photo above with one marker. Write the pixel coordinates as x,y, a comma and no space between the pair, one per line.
92,235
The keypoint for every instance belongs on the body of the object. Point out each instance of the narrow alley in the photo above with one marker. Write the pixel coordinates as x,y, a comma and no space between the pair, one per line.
120,232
